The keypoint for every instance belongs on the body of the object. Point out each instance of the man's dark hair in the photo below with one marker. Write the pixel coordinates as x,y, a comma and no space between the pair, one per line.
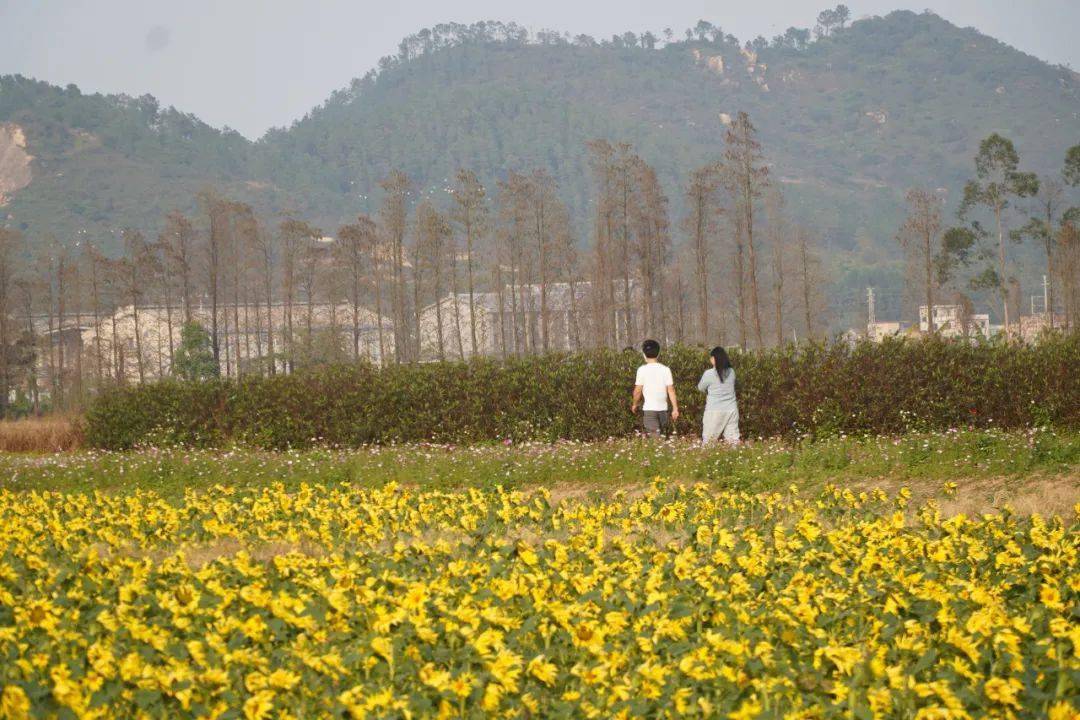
651,349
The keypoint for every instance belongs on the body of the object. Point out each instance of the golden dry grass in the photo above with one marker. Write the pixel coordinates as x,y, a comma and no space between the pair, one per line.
49,434
1035,493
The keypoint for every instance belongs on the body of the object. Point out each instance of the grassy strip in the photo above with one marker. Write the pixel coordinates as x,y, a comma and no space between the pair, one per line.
937,457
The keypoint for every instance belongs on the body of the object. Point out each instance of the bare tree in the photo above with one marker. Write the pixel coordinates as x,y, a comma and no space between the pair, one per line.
178,242
219,212
95,262
622,173
238,254
135,268
1068,270
513,208
564,261
1042,227
52,272
810,282
295,236
920,236
542,200
262,249
429,259
471,215
738,269
601,159
777,242
11,248
394,220
452,253
652,247
745,174
351,248
25,288
165,282
700,224
308,256
374,250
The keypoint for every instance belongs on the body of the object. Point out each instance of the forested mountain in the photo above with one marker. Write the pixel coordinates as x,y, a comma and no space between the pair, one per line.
847,122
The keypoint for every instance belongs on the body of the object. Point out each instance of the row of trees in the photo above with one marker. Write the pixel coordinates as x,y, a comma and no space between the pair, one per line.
256,285
497,270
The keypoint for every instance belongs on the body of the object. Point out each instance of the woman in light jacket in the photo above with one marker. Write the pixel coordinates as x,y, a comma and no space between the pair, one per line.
721,411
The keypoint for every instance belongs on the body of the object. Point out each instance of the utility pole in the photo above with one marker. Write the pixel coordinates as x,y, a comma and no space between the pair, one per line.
870,320
1045,299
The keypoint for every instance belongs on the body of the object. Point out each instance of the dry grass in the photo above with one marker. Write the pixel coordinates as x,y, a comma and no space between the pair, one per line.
1037,493
1033,495
49,434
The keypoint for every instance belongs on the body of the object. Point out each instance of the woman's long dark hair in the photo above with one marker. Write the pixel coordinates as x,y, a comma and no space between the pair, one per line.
723,362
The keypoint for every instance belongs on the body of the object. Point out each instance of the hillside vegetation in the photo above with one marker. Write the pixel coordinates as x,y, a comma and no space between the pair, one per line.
848,122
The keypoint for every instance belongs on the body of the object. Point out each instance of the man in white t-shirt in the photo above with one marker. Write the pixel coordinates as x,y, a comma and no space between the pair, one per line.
655,386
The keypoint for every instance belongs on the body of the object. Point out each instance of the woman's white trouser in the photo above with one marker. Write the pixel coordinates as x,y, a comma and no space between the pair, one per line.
720,422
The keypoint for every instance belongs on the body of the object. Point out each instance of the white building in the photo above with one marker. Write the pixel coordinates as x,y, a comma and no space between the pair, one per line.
513,321
953,321
878,331
250,337
1033,326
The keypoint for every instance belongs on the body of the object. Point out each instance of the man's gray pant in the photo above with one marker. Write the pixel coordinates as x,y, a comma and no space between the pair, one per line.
656,422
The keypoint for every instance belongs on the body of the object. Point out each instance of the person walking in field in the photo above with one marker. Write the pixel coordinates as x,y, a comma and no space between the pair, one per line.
653,387
721,410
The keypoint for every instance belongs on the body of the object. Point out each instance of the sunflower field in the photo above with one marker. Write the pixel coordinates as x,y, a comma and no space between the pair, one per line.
667,601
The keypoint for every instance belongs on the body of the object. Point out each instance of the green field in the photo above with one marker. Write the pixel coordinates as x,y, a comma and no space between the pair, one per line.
990,465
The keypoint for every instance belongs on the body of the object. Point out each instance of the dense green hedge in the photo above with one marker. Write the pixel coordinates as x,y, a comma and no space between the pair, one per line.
892,387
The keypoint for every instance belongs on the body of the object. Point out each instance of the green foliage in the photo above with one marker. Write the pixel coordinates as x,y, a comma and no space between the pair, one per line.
322,346
1072,166
987,279
956,247
795,391
999,179
194,357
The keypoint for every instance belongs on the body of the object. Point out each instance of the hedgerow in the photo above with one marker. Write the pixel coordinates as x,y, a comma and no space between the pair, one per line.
809,390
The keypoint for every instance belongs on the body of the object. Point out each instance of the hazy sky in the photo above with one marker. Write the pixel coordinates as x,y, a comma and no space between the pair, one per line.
255,64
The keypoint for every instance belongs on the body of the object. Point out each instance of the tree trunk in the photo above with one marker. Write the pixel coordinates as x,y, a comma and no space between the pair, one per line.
806,286
701,270
472,299
95,302
1001,268
268,289
929,257
376,268
752,256
138,337
61,390
541,251
740,284
778,287
457,310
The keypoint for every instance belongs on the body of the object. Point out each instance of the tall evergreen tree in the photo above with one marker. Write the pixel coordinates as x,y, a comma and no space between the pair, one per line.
998,181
